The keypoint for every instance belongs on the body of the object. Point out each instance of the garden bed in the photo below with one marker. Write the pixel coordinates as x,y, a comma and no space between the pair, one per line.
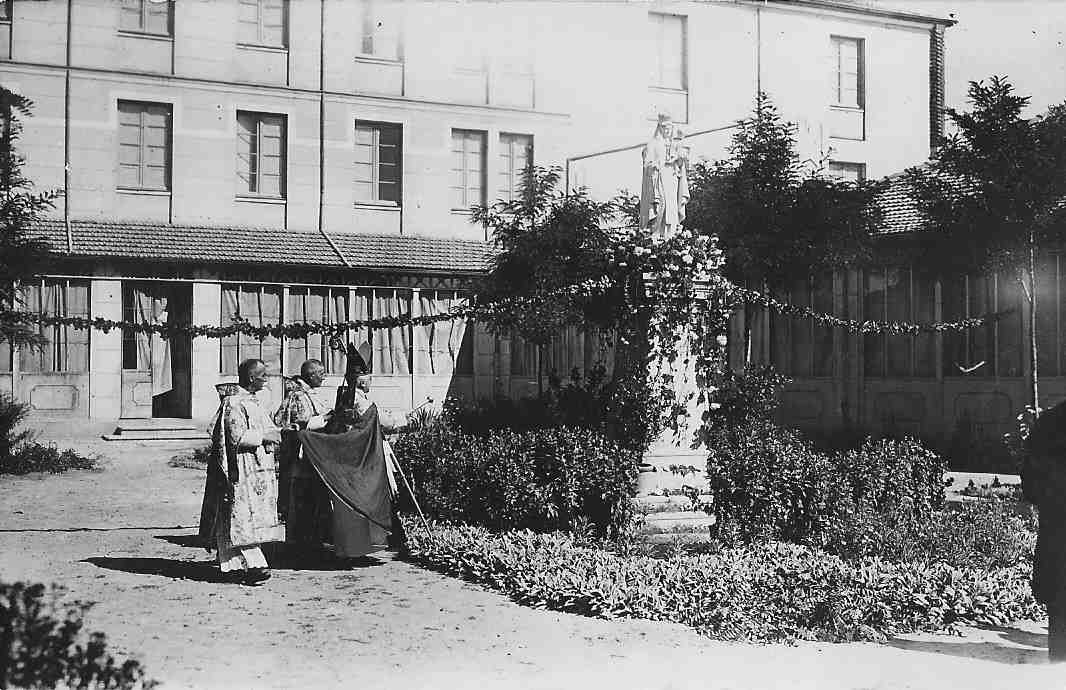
764,592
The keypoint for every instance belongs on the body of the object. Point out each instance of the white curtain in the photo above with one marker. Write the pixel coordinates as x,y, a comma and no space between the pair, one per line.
391,345
443,339
153,351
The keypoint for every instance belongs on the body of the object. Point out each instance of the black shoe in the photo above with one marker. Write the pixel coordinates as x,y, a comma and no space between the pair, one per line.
256,576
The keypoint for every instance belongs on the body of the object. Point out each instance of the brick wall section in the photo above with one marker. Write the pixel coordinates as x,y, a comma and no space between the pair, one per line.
936,85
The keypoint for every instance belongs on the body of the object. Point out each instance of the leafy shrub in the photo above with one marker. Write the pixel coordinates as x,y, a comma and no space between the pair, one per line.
768,591
44,647
20,455
749,395
984,534
767,483
196,460
543,479
618,409
12,414
34,457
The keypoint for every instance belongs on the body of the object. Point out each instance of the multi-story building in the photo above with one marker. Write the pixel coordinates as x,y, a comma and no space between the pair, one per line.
291,160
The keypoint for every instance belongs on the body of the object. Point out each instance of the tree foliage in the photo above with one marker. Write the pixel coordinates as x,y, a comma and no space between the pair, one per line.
21,256
551,242
779,219
991,183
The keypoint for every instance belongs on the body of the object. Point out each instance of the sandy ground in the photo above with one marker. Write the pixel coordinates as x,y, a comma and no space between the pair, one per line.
122,537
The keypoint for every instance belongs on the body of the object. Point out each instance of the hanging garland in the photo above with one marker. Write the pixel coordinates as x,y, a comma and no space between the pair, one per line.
489,310
470,311
864,327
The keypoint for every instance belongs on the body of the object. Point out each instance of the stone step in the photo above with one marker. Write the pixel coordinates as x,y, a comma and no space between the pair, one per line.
680,522
657,503
158,429
656,482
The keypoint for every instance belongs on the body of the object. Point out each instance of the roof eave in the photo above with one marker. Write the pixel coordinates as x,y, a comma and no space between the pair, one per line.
898,15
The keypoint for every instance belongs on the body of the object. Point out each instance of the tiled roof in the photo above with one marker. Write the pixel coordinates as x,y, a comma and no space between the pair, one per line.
899,211
243,245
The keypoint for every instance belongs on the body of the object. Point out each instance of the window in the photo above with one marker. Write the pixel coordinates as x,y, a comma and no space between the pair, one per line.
259,305
848,73
377,163
1051,315
899,294
5,11
516,153
65,348
468,169
310,304
264,23
668,60
147,17
994,349
381,29
143,145
847,172
260,154
801,346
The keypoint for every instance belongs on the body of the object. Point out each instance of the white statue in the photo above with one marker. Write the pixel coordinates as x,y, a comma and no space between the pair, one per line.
664,190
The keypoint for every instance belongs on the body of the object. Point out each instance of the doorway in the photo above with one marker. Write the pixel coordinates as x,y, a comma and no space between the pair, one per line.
156,371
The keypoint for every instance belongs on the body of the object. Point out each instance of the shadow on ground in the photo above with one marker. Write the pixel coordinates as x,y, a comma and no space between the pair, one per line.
282,557
1019,647
200,571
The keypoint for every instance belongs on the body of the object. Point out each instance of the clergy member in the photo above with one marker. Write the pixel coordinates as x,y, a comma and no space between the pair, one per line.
304,501
240,511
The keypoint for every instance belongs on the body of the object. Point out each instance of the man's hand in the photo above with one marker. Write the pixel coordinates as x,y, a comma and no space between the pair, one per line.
272,436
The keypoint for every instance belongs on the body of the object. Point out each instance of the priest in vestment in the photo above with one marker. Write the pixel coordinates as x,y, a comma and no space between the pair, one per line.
304,502
239,511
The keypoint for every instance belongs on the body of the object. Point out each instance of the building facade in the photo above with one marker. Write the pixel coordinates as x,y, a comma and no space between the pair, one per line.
315,160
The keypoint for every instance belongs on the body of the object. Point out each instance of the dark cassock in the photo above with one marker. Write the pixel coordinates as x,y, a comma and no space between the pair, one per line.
1044,484
303,500
351,460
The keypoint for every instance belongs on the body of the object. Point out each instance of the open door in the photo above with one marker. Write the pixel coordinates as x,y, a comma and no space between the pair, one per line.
156,371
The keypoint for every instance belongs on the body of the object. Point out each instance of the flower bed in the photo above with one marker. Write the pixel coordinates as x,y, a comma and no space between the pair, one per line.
766,592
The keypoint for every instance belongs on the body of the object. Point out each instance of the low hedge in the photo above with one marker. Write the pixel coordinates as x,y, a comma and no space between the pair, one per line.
541,479
763,592
768,483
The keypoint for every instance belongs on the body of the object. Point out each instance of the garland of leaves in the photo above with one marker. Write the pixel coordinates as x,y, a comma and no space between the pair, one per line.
864,327
470,311
484,311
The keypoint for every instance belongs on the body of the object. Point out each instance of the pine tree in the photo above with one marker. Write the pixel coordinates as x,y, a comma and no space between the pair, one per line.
993,194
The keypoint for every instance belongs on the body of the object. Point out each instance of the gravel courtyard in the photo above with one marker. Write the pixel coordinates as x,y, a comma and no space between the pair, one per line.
122,537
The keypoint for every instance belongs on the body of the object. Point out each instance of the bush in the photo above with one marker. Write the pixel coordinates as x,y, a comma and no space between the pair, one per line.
44,647
985,534
617,409
769,591
544,479
20,455
767,483
747,396
12,414
34,457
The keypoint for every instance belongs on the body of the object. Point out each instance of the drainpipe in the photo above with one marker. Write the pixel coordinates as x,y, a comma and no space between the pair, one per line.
322,133
66,135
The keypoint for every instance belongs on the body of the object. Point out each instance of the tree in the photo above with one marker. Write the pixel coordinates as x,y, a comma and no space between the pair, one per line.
993,193
778,219
21,255
566,259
